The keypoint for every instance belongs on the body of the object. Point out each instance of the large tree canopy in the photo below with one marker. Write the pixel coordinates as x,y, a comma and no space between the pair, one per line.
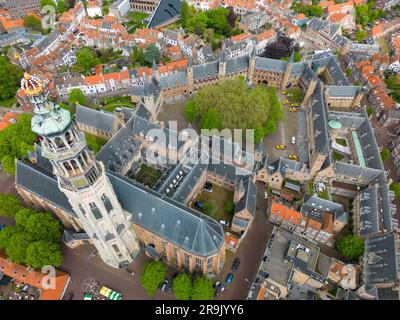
86,59
15,141
151,53
280,49
10,77
34,240
153,275
202,289
9,205
232,105
351,246
76,95
182,288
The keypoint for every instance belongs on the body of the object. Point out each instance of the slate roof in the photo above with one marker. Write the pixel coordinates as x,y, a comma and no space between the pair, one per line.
343,91
206,70
316,207
237,65
369,211
165,11
42,184
102,121
272,65
248,201
380,261
167,218
320,123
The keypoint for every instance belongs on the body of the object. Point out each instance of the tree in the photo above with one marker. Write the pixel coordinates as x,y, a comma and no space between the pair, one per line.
33,23
182,287
202,289
361,35
42,226
184,14
308,10
43,253
351,246
9,205
151,53
190,111
16,247
44,3
86,59
76,95
296,94
282,48
10,77
61,6
217,19
6,234
209,207
385,154
198,23
23,216
137,57
15,141
153,274
227,105
229,206
395,187
232,17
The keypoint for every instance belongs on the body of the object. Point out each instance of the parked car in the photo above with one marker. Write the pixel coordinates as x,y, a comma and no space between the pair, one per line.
293,140
224,223
219,288
199,205
280,147
164,286
293,157
208,187
235,265
229,279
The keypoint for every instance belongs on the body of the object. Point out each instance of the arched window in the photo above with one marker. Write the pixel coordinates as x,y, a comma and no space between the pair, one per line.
69,138
107,203
67,166
59,143
95,210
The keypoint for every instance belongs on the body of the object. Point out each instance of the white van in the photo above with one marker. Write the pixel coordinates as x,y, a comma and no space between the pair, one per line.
293,140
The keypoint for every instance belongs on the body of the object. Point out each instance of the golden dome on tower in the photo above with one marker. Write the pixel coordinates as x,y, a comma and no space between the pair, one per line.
31,85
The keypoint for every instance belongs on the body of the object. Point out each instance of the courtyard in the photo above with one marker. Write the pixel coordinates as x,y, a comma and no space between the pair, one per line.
147,175
217,203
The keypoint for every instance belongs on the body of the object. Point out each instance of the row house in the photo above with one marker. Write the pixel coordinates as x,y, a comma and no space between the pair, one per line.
90,85
240,7
384,28
204,5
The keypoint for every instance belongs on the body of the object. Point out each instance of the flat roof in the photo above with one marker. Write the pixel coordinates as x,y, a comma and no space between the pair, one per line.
357,144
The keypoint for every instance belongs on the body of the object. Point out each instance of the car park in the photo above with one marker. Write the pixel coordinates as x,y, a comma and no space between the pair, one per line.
229,279
235,265
280,147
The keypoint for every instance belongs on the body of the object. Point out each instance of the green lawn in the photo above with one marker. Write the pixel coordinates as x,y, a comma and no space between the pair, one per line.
8,103
95,143
148,175
136,21
324,194
337,156
310,187
342,142
216,202
117,102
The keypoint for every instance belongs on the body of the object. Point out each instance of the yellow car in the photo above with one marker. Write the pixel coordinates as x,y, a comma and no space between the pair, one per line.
294,109
286,102
284,92
295,105
280,147
293,157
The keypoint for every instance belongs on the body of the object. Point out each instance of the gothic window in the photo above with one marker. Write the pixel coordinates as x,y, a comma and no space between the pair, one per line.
209,264
69,138
95,210
187,260
59,143
67,166
107,203
82,210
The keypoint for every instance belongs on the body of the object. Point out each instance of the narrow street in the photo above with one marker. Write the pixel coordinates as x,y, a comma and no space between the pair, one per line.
250,253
